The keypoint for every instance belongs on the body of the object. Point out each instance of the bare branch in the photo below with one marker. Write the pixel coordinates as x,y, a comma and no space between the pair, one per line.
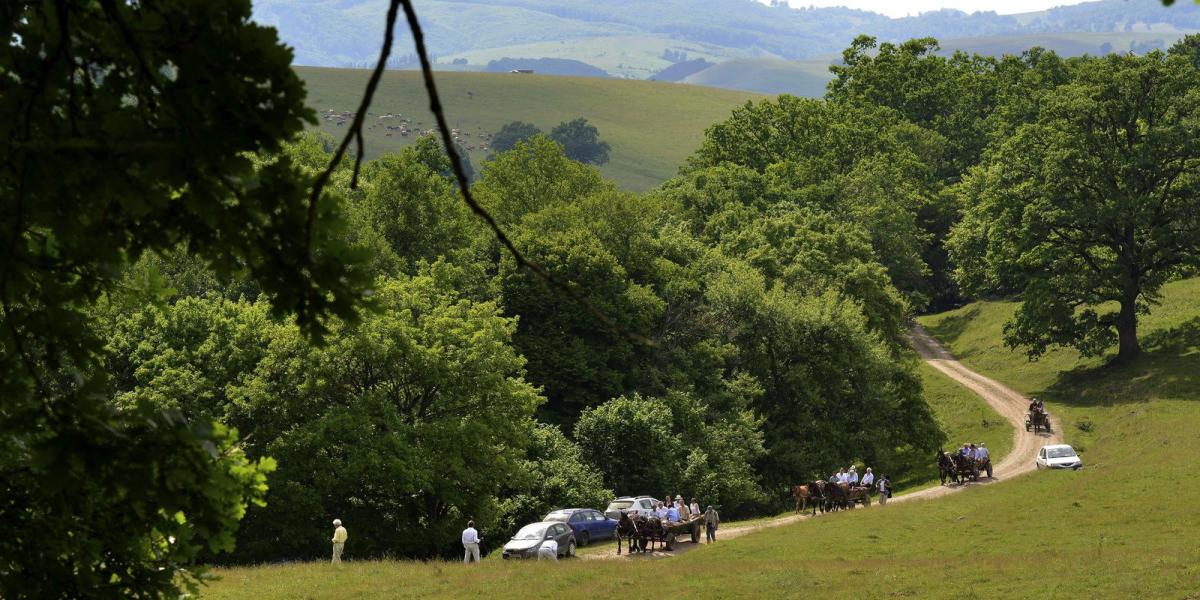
464,185
355,132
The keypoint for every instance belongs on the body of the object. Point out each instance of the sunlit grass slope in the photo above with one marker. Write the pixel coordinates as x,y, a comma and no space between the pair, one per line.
651,126
1122,527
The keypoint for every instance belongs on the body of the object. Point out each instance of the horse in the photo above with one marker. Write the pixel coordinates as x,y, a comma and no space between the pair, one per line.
946,467
817,489
836,495
627,529
804,495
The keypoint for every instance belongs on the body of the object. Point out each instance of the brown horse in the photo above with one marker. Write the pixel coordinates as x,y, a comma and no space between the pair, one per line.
836,495
803,494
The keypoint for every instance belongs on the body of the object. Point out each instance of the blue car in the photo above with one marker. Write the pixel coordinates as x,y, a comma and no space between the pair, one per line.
588,524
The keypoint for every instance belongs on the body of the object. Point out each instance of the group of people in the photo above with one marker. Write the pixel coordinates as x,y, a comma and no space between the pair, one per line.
849,475
676,511
978,453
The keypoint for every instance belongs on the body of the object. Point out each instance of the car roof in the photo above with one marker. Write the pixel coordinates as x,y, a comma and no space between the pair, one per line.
570,510
632,498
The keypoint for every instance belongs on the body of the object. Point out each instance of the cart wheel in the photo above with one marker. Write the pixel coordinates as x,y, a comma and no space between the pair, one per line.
989,470
696,534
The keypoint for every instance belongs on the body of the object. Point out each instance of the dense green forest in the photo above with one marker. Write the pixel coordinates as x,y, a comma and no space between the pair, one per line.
215,340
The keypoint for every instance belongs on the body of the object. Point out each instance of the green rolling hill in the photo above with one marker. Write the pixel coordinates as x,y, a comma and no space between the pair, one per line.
651,126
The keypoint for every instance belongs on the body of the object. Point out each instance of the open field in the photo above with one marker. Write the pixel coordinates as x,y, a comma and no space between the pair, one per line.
1120,527
651,126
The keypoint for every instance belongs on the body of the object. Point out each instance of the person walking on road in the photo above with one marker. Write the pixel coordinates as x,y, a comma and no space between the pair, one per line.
339,541
470,542
711,520
885,489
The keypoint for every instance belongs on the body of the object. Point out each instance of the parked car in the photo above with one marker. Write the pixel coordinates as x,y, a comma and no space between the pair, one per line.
630,504
527,541
587,524
1058,456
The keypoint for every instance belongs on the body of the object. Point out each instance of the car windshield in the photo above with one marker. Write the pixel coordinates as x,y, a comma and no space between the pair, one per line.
1060,452
531,532
619,505
561,517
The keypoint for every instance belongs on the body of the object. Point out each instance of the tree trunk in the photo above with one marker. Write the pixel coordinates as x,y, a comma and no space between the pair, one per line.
1127,329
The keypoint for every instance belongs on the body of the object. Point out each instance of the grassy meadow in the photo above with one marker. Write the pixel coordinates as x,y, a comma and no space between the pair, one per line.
1121,527
651,126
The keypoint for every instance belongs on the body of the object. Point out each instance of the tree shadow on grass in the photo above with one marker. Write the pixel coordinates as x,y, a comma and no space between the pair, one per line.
1169,367
949,329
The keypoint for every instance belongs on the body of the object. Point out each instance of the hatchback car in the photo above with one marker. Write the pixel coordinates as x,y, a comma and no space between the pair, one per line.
630,504
1058,456
588,524
531,537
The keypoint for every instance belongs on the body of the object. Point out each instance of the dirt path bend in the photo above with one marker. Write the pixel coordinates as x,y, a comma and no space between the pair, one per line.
1006,401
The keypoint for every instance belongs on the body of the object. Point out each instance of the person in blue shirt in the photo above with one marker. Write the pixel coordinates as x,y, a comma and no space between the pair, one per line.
673,514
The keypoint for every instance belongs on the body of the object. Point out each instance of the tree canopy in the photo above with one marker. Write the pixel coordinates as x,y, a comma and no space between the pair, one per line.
1092,203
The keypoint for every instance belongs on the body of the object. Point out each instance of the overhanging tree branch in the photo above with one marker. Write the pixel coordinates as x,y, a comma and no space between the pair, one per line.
464,185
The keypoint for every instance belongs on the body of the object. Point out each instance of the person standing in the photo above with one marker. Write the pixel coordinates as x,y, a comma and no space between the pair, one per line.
695,507
885,489
711,520
339,541
470,542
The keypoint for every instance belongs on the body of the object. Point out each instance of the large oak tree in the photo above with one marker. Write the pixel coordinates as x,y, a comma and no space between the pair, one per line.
1090,209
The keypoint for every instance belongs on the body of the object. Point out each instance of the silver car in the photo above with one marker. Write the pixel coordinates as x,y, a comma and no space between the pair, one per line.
531,537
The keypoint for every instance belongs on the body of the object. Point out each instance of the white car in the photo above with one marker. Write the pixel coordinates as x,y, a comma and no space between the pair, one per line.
1058,456
630,504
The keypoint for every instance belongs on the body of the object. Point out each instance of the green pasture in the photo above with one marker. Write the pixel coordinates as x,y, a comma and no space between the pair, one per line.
651,126
1121,527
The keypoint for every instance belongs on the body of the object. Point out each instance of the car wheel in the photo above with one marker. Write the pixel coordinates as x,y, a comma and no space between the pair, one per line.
584,538
571,549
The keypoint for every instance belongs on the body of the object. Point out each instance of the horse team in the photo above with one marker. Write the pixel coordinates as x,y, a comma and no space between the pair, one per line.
829,496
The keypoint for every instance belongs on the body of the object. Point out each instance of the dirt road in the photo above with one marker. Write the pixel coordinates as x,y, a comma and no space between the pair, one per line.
1010,404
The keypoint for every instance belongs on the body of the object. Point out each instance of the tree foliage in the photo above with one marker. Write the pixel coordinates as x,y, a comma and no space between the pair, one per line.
581,141
158,136
1092,203
511,134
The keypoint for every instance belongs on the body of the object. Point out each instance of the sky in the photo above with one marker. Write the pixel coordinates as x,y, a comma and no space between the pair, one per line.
901,8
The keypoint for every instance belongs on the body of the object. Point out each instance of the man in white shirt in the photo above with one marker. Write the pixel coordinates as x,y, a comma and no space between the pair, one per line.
868,479
981,453
548,550
852,476
470,542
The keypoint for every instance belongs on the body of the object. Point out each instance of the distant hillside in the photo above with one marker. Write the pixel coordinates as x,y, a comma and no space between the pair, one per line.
768,76
632,35
652,127
681,70
546,66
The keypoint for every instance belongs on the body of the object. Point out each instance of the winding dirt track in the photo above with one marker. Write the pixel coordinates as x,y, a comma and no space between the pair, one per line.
1010,404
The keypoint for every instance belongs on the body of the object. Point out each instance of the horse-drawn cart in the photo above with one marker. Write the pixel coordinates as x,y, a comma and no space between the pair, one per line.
1038,421
643,532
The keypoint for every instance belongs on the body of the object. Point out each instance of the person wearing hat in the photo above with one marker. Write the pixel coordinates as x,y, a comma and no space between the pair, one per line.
339,541
711,520
852,476
868,480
